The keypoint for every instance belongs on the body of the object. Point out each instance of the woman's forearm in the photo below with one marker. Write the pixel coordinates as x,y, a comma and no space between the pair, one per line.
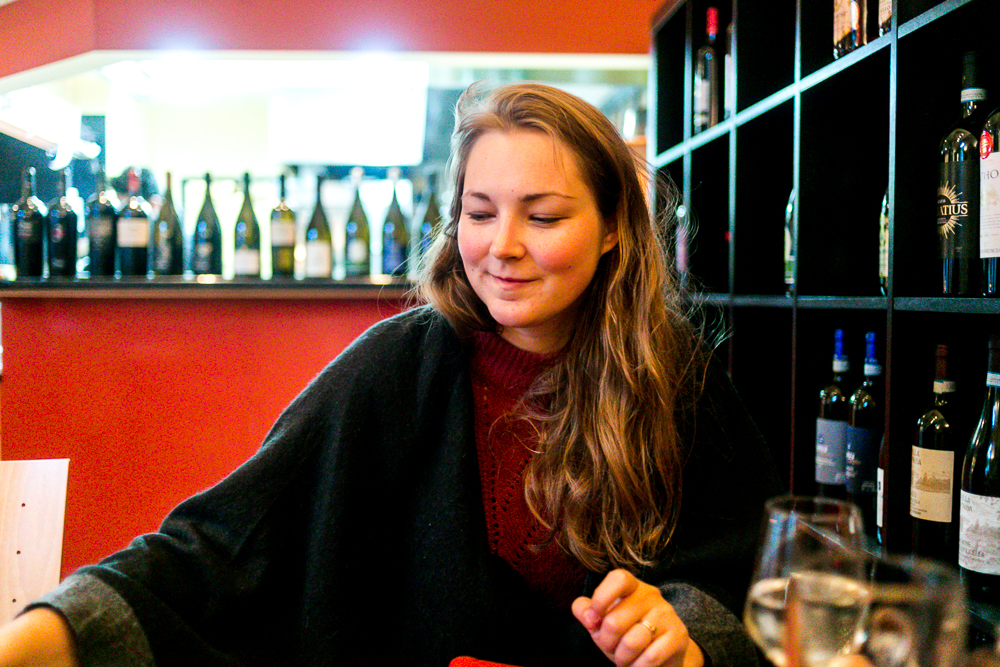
38,638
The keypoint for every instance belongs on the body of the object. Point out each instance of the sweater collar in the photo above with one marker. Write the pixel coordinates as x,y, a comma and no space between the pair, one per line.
501,364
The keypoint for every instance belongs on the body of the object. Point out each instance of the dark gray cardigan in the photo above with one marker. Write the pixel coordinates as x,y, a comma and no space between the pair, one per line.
356,535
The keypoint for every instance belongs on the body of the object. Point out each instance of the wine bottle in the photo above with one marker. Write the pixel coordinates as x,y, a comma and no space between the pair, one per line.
989,201
706,77
132,253
395,234
282,236
357,258
426,221
102,228
319,246
246,237
168,237
934,470
790,244
831,426
979,515
883,245
62,231
884,17
728,76
865,423
28,218
206,241
849,26
958,190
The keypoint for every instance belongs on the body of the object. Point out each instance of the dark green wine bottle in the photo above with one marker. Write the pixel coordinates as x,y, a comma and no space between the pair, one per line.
62,232
319,242
282,236
395,234
246,237
168,237
102,228
206,242
28,217
357,257
133,230
426,221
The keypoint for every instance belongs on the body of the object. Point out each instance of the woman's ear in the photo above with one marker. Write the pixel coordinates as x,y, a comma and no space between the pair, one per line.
611,237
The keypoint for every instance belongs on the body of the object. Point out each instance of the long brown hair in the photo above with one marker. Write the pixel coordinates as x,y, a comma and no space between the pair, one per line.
606,477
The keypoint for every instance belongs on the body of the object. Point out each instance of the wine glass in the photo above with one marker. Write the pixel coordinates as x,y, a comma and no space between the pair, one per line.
916,615
811,554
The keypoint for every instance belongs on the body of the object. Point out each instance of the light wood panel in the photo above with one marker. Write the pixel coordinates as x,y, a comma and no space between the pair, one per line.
32,510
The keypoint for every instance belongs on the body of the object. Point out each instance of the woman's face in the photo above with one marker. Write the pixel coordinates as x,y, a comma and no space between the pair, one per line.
530,235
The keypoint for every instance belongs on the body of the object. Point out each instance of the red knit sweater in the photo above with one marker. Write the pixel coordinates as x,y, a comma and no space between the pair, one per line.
501,373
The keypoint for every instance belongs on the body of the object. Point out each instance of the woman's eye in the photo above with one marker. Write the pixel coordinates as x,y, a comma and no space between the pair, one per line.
478,215
546,219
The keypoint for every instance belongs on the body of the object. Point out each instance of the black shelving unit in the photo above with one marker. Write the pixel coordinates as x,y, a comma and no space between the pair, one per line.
841,133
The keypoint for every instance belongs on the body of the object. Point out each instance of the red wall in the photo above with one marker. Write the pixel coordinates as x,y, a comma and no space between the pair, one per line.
519,26
153,400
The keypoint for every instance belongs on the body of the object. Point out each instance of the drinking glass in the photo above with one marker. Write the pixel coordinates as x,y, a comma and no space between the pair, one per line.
811,554
916,615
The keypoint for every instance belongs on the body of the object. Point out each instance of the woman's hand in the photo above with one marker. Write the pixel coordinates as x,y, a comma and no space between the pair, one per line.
634,626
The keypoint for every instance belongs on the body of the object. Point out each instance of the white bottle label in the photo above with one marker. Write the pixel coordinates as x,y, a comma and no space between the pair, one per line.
931,484
246,262
879,497
357,252
133,232
841,20
979,533
831,451
283,233
993,379
319,259
989,205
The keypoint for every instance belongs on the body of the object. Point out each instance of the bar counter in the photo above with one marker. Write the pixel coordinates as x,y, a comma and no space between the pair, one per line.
156,389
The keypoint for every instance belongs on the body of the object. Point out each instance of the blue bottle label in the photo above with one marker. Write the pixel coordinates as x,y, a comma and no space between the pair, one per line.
862,459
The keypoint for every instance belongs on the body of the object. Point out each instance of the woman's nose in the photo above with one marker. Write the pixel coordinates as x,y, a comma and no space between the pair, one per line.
507,242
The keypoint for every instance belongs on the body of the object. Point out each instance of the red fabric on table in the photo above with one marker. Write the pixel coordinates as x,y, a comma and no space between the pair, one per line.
466,661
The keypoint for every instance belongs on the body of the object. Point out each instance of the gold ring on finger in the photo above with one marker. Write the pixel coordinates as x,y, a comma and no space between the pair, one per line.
649,626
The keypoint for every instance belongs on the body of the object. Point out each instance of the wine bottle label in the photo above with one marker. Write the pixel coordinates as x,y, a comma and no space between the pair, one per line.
831,444
393,258
884,11
29,230
319,259
841,20
880,498
872,370
958,210
789,257
944,386
989,200
201,258
931,484
979,533
861,453
133,232
246,262
357,251
973,94
283,233
883,245
993,379
163,255
701,101
841,365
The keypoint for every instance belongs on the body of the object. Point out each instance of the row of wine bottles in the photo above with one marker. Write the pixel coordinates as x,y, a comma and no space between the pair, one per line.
954,498
126,239
968,196
856,22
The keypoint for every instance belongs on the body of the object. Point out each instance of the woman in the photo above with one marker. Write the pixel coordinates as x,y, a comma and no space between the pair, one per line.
542,467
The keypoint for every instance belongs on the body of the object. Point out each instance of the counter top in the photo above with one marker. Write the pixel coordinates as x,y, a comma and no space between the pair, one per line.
205,287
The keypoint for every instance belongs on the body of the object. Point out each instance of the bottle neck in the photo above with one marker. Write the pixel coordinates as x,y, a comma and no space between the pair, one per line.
972,99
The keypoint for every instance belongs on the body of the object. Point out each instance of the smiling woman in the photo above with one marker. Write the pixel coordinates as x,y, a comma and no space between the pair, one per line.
498,471
530,235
